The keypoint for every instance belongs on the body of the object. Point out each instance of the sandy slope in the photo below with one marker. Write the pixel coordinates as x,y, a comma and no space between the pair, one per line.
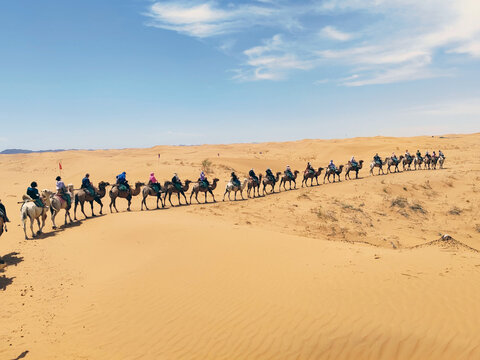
251,279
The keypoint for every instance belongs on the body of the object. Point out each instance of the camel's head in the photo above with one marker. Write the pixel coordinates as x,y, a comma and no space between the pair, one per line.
296,172
188,182
139,183
279,173
216,180
103,184
341,166
70,188
360,162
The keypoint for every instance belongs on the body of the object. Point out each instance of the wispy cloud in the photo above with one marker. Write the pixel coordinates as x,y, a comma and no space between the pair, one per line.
389,41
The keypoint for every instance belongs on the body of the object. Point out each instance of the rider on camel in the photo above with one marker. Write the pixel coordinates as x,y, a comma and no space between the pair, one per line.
32,191
87,185
270,175
332,166
288,172
407,155
177,182
252,174
377,159
154,183
122,180
62,191
309,168
440,154
234,179
419,155
202,180
394,158
353,162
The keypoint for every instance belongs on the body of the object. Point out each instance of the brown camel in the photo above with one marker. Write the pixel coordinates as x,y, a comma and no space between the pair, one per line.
311,175
266,181
407,163
115,192
170,188
198,188
418,161
148,190
426,162
84,195
393,163
285,178
2,225
253,184
375,164
434,162
333,172
353,168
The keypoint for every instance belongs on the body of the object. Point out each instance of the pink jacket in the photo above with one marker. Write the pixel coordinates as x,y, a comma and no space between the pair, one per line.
153,180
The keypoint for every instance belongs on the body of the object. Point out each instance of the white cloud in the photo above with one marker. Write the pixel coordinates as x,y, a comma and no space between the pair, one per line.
463,107
389,41
335,34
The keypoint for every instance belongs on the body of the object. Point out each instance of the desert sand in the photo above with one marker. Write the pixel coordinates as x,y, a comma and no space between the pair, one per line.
349,270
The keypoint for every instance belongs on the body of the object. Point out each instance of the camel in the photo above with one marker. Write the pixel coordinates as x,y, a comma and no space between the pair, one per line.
285,178
232,187
197,188
311,175
333,172
58,203
170,189
148,190
34,212
351,168
441,160
3,224
417,162
390,163
266,181
83,195
434,162
374,164
252,184
426,162
407,162
115,192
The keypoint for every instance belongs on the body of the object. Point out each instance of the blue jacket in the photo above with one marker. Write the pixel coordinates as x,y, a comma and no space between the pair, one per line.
86,182
33,193
121,178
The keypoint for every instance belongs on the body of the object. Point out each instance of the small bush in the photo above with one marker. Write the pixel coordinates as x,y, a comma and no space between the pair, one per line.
455,211
418,208
477,227
401,202
325,215
206,165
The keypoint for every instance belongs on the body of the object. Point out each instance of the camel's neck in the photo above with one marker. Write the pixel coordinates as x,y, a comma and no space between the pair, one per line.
213,186
185,187
136,191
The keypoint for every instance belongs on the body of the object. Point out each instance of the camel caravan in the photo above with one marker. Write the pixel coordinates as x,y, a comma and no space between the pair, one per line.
36,205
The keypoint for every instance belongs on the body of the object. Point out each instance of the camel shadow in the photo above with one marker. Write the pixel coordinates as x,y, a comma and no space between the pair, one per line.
6,260
22,355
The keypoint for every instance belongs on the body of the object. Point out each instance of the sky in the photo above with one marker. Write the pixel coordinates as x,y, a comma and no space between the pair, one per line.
136,73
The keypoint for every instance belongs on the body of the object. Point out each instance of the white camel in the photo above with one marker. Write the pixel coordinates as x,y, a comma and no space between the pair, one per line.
232,187
57,204
34,212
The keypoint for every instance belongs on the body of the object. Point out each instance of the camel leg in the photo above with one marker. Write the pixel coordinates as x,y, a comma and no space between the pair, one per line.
82,209
205,197
186,202
31,225
225,194
170,199
191,194
54,214
213,196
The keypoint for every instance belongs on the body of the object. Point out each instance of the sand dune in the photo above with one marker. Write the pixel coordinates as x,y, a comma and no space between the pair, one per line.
351,270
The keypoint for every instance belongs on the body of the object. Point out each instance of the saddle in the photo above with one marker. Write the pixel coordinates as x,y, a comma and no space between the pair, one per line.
255,180
203,183
155,187
123,187
236,183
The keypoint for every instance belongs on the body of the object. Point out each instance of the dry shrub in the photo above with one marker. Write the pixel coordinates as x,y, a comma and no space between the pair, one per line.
324,215
455,211
418,208
399,201
206,165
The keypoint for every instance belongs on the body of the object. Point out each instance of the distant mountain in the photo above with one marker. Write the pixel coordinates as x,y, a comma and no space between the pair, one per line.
23,151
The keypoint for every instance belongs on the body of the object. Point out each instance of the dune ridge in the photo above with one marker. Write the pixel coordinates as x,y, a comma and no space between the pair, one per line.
351,270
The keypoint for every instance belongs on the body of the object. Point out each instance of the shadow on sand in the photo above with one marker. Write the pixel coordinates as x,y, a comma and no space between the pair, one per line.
7,260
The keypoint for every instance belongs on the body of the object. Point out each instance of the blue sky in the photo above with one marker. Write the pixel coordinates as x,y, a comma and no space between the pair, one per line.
135,73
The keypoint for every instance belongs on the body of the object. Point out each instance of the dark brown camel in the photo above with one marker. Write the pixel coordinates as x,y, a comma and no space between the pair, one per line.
170,189
285,178
349,168
197,188
391,162
115,193
311,175
333,172
418,161
266,181
148,190
83,195
254,185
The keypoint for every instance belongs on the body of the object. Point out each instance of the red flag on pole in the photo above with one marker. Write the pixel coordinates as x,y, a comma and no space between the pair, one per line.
60,165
